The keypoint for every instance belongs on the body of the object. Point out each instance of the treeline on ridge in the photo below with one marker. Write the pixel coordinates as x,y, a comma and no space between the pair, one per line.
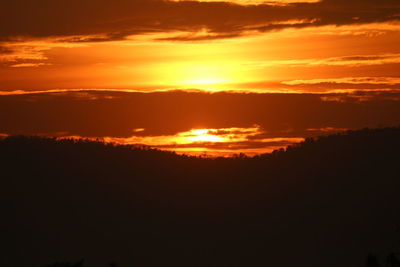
327,201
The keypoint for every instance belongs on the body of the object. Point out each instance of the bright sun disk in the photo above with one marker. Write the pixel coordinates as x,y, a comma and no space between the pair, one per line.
203,135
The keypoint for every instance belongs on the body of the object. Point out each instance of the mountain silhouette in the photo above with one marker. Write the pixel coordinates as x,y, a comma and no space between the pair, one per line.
328,201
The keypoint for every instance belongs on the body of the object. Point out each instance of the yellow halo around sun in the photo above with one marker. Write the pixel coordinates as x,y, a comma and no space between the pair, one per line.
203,135
200,75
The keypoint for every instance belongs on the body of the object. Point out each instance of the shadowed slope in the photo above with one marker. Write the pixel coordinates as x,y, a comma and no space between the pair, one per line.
324,202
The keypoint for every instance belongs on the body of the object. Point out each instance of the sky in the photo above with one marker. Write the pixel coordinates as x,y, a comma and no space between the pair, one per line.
213,77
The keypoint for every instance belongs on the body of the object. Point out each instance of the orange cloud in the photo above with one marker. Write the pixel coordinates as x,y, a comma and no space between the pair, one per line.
349,80
213,142
352,60
193,136
165,117
26,65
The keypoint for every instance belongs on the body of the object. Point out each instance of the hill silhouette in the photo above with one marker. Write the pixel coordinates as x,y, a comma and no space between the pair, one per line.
328,201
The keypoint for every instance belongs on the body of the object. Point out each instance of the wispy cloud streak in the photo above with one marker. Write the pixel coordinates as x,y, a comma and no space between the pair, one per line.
350,61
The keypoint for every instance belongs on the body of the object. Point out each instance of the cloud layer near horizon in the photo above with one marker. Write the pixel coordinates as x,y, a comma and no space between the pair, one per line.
120,114
249,123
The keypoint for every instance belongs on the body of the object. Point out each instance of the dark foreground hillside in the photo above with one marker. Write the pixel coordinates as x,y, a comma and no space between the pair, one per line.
322,203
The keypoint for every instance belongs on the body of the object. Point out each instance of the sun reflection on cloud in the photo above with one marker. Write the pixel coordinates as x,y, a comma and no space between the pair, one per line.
203,135
210,142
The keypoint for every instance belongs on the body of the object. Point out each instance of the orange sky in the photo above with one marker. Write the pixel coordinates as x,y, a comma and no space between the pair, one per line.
266,62
326,48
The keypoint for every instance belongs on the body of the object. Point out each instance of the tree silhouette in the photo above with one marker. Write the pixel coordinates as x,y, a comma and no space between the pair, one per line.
67,197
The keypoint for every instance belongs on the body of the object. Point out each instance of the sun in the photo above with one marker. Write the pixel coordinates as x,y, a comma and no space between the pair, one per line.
199,75
203,135
205,81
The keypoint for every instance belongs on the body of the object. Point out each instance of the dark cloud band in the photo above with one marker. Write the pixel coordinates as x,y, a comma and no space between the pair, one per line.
115,20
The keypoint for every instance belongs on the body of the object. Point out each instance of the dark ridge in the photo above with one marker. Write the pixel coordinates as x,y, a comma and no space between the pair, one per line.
328,201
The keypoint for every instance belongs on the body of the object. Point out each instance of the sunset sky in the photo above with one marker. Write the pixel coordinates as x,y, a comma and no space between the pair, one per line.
220,77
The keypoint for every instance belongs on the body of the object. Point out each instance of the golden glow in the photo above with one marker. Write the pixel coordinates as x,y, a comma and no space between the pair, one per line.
197,142
270,46
203,135
187,60
291,54
202,74
199,74
204,142
193,136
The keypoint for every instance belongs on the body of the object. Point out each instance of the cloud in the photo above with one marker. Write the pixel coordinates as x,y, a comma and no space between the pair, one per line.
34,30
198,36
349,61
249,148
28,65
391,97
327,129
345,85
28,52
5,51
115,20
116,114
193,137
361,60
348,80
217,142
